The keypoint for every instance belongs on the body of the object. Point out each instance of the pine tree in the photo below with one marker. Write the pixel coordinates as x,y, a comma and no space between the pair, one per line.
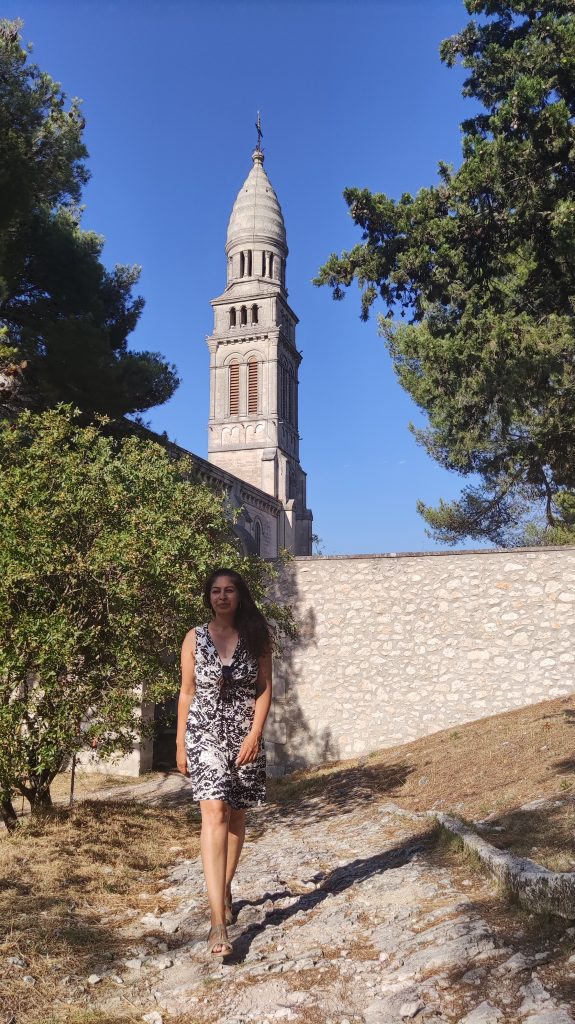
482,266
64,318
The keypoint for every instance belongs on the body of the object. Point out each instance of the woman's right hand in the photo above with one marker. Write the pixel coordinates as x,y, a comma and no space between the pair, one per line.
181,759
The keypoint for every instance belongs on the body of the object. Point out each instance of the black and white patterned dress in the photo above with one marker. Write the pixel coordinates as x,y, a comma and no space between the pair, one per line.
219,719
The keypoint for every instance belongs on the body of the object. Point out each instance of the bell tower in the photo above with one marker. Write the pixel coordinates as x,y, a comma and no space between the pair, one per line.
254,361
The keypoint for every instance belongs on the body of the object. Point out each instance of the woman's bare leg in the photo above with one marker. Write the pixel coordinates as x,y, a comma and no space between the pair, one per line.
236,835
214,848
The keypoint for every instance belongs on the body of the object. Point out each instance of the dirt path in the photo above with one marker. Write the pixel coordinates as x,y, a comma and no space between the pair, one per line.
343,915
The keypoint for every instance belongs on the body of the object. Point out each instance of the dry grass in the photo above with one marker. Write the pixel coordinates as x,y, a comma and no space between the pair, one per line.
92,1017
67,883
546,835
87,783
492,765
488,768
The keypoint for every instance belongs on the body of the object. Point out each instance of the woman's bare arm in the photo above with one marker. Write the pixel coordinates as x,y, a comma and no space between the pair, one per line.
187,693
250,747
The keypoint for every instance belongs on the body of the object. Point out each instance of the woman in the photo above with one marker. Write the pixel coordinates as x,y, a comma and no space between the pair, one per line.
224,701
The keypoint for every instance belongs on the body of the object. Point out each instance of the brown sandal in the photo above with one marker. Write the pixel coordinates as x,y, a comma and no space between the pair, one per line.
218,936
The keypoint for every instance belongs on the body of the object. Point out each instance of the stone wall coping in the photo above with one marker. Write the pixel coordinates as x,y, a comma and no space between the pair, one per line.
436,554
536,887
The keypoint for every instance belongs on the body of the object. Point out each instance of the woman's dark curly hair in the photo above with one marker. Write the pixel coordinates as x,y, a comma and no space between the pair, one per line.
249,621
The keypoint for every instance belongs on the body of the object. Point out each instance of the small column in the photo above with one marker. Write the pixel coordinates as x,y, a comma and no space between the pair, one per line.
212,382
272,388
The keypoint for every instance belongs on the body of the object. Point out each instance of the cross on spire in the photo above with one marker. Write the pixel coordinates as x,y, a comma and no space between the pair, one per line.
259,131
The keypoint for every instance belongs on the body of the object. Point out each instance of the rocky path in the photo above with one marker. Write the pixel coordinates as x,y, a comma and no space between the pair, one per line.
341,918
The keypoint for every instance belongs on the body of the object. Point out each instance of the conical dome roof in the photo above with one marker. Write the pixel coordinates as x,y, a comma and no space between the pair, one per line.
256,213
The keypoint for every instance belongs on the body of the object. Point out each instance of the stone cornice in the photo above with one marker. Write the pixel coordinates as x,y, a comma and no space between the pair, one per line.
510,552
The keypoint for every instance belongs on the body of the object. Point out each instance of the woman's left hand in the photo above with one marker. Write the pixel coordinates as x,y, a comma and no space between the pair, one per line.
249,749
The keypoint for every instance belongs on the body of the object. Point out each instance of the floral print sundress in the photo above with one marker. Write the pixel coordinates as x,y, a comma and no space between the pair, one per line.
219,719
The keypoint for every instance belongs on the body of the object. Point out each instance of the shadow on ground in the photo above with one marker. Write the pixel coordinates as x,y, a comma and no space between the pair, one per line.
342,791
168,789
336,881
543,833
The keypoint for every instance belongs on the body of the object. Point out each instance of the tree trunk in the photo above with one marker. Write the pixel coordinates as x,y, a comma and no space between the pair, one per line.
9,816
38,793
72,780
41,801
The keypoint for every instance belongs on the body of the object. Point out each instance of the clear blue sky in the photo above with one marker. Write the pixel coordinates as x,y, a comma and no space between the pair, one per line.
349,94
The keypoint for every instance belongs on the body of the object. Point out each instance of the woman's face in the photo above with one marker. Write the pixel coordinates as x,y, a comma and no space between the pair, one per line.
224,596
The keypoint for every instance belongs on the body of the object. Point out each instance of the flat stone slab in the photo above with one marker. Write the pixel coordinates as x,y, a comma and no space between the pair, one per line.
535,887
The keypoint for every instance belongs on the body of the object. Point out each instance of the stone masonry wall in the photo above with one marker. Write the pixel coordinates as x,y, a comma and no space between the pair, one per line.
396,647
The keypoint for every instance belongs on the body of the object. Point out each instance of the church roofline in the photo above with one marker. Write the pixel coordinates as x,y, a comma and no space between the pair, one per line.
246,490
209,471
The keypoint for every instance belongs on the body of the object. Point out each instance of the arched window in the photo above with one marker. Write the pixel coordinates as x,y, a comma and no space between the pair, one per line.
233,316
243,316
254,314
258,537
252,385
234,388
271,264
263,264
242,264
249,263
